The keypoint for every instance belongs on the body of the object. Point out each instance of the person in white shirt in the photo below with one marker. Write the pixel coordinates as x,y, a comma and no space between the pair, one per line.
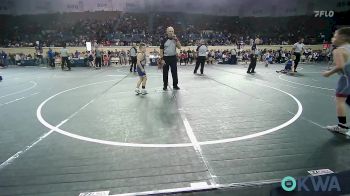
18,59
233,57
266,58
283,57
223,55
202,50
315,57
298,50
65,58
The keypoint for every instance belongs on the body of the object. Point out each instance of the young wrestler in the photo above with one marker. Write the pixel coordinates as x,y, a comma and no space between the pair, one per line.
341,55
289,68
141,62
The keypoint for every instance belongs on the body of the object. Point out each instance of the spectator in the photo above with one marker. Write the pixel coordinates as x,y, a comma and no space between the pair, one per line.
51,57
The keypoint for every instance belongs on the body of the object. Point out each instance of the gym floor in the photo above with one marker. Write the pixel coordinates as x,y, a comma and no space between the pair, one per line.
66,133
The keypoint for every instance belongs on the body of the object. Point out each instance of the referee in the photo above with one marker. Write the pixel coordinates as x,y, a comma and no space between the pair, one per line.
298,50
133,55
202,50
168,57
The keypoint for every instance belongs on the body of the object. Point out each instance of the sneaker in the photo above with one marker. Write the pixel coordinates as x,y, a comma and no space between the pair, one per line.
337,129
143,92
137,91
176,88
165,88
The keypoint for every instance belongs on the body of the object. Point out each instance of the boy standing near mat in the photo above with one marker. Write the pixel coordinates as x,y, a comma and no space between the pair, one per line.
141,62
341,56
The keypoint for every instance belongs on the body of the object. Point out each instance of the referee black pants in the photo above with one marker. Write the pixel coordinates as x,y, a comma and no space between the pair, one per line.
133,63
297,60
170,62
251,68
201,61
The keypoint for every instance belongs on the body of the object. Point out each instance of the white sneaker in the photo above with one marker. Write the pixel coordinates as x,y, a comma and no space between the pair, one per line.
338,129
143,91
137,91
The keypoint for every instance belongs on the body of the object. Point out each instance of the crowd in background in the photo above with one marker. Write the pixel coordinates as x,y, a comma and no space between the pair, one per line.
123,29
232,55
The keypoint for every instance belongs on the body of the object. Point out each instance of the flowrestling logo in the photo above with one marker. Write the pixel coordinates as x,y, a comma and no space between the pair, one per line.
327,14
318,184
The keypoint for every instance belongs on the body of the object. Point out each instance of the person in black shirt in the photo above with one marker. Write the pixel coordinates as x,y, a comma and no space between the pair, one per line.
252,65
279,58
133,56
253,46
190,56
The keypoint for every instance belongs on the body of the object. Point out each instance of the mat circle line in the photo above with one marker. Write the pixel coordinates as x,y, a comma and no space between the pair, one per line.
174,145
